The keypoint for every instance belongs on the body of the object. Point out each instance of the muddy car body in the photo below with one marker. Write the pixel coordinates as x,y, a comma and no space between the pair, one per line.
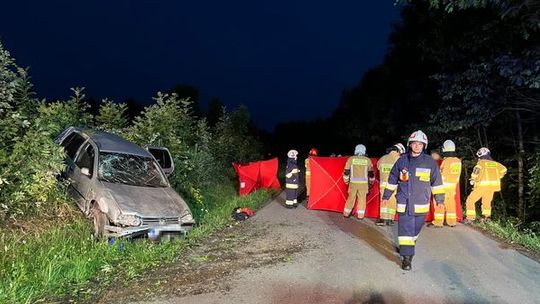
121,186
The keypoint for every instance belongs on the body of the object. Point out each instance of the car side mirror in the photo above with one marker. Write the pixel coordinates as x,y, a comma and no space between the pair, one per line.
85,171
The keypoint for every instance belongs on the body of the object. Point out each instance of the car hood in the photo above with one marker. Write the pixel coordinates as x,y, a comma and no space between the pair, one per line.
148,201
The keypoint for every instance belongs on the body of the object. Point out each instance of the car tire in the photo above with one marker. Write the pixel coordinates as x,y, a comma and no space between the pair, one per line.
99,220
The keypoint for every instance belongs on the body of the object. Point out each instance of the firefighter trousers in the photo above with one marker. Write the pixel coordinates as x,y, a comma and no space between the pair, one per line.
291,196
409,227
388,210
449,208
308,180
484,193
356,192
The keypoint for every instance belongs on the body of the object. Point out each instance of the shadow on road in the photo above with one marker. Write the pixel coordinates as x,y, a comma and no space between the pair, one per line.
364,230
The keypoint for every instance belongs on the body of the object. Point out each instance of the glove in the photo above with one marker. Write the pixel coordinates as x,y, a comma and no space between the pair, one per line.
346,179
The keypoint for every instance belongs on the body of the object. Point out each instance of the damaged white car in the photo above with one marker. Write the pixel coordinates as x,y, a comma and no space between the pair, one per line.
121,186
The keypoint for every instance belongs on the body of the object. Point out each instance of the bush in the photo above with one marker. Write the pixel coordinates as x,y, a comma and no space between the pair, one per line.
29,160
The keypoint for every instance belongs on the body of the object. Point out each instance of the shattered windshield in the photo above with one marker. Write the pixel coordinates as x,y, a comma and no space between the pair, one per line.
130,169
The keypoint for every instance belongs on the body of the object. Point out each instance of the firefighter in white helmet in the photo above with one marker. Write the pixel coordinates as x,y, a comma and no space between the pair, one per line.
291,180
450,172
358,174
384,165
486,180
415,176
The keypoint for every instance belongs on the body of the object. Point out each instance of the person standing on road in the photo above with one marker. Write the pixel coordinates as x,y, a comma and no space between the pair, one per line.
358,174
384,165
415,176
450,172
312,152
486,180
291,180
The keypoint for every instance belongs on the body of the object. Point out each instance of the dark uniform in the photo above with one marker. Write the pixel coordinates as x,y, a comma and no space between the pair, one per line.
291,183
415,179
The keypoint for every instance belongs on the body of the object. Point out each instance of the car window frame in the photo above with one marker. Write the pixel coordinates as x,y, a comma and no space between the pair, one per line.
87,143
74,133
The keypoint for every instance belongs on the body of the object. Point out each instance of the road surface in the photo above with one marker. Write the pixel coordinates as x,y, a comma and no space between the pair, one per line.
307,256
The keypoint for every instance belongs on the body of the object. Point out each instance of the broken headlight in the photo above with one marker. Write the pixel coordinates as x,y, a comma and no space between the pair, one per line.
129,220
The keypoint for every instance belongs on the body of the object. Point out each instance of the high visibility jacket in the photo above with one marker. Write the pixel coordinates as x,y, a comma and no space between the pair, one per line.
487,174
451,171
415,179
291,174
357,168
384,165
306,162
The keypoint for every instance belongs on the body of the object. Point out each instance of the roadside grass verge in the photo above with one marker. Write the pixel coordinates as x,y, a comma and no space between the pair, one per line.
510,232
63,260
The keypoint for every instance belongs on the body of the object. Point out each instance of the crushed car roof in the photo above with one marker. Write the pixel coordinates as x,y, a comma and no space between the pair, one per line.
108,142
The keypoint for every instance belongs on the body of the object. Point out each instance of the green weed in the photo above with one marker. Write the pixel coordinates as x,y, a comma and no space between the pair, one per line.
64,259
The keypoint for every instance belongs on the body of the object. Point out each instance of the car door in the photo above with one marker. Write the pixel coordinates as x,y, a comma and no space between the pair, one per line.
83,176
164,159
71,143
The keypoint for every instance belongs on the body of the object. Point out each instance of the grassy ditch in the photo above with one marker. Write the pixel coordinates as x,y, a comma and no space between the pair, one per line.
510,232
63,259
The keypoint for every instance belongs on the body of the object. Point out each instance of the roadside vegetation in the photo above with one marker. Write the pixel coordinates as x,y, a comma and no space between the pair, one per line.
46,249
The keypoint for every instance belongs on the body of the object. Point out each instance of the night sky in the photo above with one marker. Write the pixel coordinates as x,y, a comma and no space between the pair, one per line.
285,60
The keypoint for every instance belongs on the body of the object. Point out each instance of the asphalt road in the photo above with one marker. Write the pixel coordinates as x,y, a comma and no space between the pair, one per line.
348,261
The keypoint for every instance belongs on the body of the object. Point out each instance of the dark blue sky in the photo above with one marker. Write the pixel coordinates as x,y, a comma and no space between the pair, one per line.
285,60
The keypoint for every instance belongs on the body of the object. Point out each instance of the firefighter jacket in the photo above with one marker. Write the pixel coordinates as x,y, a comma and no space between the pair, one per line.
487,174
450,171
384,165
415,179
291,174
357,170
306,162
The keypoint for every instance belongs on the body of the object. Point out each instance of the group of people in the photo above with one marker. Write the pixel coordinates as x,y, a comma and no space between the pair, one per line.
408,179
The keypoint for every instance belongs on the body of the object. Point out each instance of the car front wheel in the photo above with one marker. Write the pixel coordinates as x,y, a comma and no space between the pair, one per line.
99,220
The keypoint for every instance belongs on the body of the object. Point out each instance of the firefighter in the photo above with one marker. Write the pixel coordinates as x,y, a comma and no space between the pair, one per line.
486,180
312,152
291,180
384,165
450,172
358,174
415,176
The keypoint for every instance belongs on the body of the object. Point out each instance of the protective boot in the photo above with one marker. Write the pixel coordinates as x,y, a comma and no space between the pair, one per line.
406,264
389,222
380,222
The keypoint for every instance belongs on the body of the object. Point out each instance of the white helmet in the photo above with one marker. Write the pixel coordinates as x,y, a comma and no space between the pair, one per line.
360,150
449,146
400,147
482,152
292,154
418,136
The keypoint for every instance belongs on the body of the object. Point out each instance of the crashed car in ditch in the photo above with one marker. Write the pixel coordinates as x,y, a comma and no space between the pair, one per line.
122,187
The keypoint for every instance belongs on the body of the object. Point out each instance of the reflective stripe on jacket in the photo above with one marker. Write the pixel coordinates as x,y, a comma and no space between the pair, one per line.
384,165
451,171
414,194
291,174
357,168
488,173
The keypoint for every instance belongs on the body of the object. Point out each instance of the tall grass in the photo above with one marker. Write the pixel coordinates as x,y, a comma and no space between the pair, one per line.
63,259
510,231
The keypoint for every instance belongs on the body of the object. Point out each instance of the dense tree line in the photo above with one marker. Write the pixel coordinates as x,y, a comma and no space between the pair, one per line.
462,70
